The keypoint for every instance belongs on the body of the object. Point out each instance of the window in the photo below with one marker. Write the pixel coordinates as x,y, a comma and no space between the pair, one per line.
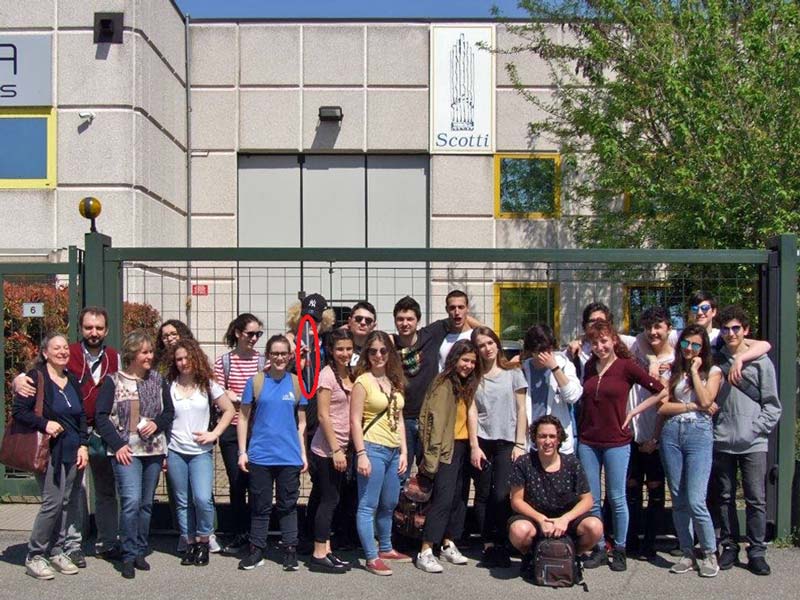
527,185
28,149
517,306
641,296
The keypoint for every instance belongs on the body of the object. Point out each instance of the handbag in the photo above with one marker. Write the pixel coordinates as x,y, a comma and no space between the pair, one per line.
23,448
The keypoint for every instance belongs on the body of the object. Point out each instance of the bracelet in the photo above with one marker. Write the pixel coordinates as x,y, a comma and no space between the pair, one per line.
242,452
335,451
556,368
361,452
520,446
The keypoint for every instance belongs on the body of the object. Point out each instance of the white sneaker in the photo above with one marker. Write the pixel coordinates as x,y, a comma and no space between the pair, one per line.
452,555
39,568
213,544
62,564
427,562
182,544
684,565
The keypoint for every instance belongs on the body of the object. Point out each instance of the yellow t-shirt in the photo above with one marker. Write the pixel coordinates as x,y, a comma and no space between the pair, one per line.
374,404
461,421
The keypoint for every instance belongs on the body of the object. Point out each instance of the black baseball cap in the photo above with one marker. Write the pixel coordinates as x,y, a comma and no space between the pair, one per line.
314,305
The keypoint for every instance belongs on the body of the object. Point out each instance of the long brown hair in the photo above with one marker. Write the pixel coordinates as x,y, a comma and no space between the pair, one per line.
394,368
463,389
202,374
680,366
600,329
501,359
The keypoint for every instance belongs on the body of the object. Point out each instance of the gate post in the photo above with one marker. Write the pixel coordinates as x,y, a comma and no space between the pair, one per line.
780,310
103,283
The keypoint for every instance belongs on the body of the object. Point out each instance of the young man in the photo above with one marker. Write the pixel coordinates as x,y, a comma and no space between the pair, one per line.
91,361
550,495
748,412
361,322
459,323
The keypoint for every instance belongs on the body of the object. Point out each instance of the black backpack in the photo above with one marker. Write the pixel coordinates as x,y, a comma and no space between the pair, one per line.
555,564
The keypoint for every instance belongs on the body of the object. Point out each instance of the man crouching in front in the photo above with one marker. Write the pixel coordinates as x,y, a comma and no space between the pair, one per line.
550,495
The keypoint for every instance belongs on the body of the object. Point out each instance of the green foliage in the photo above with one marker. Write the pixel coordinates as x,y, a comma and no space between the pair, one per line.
527,185
690,108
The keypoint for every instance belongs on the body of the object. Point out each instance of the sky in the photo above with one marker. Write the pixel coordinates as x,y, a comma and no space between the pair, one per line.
300,9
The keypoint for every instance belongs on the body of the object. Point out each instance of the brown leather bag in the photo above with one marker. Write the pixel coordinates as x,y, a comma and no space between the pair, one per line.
23,448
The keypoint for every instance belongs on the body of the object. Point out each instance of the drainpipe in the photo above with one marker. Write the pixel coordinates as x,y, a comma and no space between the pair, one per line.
188,304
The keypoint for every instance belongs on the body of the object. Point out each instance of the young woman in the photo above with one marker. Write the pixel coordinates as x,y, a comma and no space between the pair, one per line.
603,431
168,334
196,398
64,420
274,454
687,443
445,450
232,371
498,436
133,417
379,438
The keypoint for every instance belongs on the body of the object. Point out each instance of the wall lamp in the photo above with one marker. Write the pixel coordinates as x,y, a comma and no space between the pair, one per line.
330,113
108,28
87,116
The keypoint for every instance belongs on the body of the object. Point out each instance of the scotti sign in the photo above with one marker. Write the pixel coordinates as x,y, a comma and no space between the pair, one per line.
462,89
26,70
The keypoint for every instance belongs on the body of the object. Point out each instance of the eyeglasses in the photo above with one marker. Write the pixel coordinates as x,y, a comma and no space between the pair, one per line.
253,334
279,354
704,308
695,346
734,329
361,319
375,351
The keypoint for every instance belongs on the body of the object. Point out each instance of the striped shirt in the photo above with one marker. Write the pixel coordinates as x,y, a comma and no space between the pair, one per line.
242,369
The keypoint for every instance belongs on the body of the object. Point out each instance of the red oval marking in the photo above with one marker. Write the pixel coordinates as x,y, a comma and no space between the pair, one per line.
299,337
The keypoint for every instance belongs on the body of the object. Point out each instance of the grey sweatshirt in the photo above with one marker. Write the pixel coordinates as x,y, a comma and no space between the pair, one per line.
742,425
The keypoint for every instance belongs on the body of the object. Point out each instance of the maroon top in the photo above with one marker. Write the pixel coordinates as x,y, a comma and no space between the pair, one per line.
78,366
605,401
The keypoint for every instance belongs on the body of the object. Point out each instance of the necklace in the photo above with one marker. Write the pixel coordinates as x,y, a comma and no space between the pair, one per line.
392,411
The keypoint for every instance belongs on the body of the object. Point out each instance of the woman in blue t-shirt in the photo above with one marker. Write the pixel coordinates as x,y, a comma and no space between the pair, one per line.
275,454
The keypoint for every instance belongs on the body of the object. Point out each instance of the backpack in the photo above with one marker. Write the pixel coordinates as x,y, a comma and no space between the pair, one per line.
226,367
554,563
412,509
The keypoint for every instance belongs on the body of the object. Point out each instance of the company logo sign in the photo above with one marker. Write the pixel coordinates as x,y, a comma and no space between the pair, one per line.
462,89
26,70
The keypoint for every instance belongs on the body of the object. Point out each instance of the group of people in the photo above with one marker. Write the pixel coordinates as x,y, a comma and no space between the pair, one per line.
534,434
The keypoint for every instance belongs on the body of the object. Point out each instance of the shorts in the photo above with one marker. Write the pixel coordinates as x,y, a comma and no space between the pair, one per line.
572,530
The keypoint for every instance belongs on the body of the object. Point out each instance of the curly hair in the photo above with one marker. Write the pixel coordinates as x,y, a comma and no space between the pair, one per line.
463,389
161,350
548,420
293,314
394,368
600,329
201,370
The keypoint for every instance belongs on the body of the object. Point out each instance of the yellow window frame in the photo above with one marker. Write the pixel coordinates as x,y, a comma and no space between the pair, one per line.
49,113
555,213
626,295
499,287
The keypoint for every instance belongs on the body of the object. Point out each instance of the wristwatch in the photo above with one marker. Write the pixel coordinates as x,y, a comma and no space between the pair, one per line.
556,368
241,452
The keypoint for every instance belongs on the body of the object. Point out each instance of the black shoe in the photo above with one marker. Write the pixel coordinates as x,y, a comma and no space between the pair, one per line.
325,565
78,559
502,558
648,552
128,569
290,559
728,557
596,559
141,564
112,553
618,561
488,557
526,566
254,559
336,560
237,545
758,566
188,556
201,555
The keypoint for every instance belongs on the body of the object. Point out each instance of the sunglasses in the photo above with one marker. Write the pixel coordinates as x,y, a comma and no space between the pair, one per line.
734,329
376,351
365,320
695,346
703,308
253,334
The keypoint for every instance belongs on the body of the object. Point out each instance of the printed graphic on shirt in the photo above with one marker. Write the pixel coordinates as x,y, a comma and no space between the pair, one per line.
411,359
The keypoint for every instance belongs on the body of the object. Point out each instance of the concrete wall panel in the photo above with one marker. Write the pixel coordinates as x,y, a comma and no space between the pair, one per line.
212,49
527,233
514,114
213,119
397,55
81,14
99,152
348,135
531,70
269,120
397,120
33,226
159,92
37,13
462,185
165,29
259,45
460,233
214,231
117,219
160,163
333,55
214,183
91,74
157,224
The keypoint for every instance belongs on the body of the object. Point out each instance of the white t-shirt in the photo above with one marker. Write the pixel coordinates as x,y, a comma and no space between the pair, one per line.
683,393
449,341
674,334
191,416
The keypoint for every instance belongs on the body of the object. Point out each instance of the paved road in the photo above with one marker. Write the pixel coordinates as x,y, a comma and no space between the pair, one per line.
221,579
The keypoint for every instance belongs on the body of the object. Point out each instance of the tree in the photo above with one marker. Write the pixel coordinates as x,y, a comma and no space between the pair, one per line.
682,117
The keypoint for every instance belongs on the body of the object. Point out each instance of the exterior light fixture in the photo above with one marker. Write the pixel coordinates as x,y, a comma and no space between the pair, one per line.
90,208
108,28
330,113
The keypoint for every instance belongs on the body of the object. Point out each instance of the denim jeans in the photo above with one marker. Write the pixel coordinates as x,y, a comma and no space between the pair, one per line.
192,479
413,445
377,499
686,451
106,510
136,485
615,463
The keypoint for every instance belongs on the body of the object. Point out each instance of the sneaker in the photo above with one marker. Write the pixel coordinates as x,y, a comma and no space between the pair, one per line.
78,558
112,552
325,565
141,563
452,555
128,570
290,559
213,544
728,558
236,545
684,565
183,544
394,555
618,561
254,559
38,567
596,559
62,564
708,566
427,562
758,566
378,567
